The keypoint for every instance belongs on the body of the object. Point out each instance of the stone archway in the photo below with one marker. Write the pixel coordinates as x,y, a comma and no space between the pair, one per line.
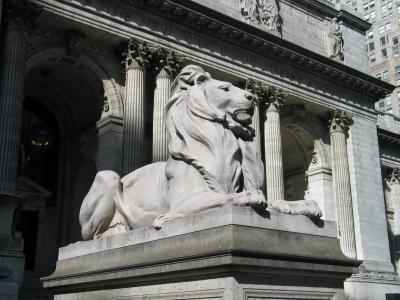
306,162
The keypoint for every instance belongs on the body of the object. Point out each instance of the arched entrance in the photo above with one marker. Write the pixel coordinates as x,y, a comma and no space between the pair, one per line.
65,133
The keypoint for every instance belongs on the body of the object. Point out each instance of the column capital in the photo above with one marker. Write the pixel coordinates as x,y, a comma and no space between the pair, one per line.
20,14
394,176
269,97
340,121
137,55
166,63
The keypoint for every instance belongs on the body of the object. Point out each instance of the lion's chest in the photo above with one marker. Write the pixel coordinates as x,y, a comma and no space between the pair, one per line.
227,165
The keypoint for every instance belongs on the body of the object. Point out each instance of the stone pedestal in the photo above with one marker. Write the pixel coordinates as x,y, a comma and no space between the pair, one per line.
227,253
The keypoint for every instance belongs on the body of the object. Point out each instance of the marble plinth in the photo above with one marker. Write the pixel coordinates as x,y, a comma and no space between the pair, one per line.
227,253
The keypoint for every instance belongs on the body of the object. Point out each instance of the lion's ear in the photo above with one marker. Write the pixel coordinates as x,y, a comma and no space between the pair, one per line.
201,78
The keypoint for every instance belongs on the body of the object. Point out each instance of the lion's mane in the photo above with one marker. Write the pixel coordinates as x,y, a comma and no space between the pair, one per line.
199,132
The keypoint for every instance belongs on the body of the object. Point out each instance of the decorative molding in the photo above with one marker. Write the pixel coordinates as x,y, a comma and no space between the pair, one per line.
394,176
376,275
202,19
269,97
166,62
262,12
340,121
137,55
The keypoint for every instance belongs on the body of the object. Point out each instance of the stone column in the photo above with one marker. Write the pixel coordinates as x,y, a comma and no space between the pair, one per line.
169,65
256,88
136,60
394,186
339,125
273,145
11,100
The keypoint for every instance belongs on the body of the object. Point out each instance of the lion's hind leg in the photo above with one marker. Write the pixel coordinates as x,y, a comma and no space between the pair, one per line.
98,207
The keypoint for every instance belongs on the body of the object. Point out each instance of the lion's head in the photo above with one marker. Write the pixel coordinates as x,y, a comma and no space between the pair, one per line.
206,117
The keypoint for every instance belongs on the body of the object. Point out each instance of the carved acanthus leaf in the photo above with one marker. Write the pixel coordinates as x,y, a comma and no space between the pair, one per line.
268,96
166,63
340,121
137,55
394,176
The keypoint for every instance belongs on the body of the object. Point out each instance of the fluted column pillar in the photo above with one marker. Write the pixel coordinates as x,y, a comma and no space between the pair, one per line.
394,186
273,146
169,65
18,15
136,59
339,125
255,88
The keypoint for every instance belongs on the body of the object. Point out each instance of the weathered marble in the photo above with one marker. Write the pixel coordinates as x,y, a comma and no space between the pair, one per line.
136,60
340,123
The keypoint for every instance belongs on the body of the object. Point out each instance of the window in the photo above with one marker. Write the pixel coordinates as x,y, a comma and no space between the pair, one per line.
388,26
390,111
388,100
382,29
397,82
370,34
366,17
396,52
371,46
385,75
372,15
384,53
395,40
381,103
397,69
366,6
379,76
372,57
371,3
383,41
384,9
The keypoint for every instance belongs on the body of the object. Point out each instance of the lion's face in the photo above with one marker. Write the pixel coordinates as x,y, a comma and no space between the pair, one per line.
225,98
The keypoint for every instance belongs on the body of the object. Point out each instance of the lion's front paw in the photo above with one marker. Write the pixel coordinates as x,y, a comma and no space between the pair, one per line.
300,207
250,198
312,209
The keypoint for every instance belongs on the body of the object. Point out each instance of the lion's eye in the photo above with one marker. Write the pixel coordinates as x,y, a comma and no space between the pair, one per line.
224,87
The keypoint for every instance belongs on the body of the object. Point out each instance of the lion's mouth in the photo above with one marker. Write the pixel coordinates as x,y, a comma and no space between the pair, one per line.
243,116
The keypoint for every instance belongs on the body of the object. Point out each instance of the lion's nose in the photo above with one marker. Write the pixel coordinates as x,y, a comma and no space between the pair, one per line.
249,96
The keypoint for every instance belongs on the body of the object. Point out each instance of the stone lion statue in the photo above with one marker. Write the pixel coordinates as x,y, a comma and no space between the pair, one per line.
213,161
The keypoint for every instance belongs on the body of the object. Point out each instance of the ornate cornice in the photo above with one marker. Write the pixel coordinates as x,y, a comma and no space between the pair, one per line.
137,55
340,121
199,18
388,138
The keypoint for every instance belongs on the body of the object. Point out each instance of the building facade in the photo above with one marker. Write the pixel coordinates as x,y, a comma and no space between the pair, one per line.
382,45
69,109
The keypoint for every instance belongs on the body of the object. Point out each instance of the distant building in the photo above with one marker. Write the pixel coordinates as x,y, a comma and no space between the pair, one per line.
382,42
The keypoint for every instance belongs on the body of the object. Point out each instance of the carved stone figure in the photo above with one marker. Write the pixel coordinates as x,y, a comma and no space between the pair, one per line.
213,161
335,39
264,12
249,10
270,14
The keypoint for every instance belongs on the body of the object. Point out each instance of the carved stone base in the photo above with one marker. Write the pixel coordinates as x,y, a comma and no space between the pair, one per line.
227,253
